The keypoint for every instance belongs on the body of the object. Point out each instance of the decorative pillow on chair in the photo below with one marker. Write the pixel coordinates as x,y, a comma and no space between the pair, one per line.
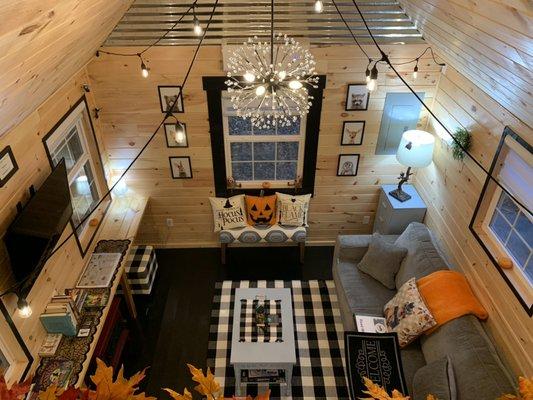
382,260
228,213
261,210
292,210
407,314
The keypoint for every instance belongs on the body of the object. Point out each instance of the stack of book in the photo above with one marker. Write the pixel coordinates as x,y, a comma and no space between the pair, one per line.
62,314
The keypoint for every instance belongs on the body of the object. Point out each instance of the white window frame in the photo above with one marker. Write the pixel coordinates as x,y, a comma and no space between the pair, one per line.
515,274
228,139
76,119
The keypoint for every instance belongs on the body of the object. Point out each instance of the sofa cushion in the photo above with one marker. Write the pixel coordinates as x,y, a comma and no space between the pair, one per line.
382,260
422,257
412,360
479,372
436,378
365,295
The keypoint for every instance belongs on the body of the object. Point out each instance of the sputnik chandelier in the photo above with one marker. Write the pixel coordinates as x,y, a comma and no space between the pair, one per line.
268,82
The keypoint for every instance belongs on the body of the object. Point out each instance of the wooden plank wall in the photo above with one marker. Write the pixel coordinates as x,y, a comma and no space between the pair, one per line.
487,86
26,142
130,111
43,43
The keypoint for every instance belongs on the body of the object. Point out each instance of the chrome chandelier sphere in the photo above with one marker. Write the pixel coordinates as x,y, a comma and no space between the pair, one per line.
269,82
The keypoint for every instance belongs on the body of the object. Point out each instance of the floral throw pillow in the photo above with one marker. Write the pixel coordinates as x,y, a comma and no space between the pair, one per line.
407,314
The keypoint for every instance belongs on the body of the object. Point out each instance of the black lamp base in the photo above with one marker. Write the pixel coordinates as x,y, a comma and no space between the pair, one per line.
400,195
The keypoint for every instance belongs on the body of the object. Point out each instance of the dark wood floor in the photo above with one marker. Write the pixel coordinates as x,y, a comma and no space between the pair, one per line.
175,317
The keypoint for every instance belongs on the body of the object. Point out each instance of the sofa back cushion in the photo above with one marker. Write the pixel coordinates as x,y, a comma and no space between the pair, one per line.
436,378
479,372
422,256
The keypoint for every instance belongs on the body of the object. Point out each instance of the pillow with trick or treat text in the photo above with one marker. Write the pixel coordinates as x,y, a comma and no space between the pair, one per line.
261,210
228,213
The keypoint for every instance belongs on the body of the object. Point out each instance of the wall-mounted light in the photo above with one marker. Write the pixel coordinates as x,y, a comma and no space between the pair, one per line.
23,308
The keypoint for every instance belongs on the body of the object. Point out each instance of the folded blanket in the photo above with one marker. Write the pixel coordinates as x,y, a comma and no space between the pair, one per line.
448,296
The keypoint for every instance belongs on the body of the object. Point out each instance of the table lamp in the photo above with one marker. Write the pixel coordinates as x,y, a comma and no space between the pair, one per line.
415,151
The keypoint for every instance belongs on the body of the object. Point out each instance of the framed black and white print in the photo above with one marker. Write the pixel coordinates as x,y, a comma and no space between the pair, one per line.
176,139
180,167
348,164
352,133
357,97
8,165
167,97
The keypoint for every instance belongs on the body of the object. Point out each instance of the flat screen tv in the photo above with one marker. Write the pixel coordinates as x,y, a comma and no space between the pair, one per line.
37,228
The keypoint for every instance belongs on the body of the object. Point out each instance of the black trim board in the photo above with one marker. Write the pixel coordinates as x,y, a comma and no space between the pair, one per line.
506,132
214,85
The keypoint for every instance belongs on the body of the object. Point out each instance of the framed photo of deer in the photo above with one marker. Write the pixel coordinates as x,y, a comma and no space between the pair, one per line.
352,133
357,97
168,96
348,164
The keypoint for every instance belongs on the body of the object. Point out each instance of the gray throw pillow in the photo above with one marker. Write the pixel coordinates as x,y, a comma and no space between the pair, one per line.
435,378
382,260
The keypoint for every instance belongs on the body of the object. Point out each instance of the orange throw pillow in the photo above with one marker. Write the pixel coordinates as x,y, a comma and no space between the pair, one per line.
261,210
449,296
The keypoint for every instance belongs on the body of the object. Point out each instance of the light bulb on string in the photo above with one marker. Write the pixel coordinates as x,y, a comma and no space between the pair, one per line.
197,28
415,70
23,308
319,6
144,69
373,82
367,72
179,132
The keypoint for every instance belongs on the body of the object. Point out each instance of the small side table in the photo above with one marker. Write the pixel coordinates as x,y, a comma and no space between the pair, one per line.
393,216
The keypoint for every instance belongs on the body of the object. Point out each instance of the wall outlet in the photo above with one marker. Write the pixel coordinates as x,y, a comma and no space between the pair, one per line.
366,219
170,222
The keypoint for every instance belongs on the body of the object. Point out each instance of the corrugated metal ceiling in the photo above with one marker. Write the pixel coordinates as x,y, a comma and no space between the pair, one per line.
235,20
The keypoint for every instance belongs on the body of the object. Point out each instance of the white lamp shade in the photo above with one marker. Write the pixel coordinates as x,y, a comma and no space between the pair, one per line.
416,149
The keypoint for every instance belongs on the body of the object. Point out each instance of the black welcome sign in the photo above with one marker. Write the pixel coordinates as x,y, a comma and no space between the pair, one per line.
375,356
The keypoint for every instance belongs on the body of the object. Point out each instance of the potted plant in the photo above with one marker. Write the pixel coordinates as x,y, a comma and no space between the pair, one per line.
462,142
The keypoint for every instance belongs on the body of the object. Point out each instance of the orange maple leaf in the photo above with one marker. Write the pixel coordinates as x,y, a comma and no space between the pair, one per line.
176,396
51,393
525,387
207,385
17,391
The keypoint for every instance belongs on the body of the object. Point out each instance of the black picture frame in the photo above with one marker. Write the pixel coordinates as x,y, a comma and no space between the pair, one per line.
179,105
495,162
172,167
362,85
214,86
169,125
360,142
14,166
82,99
355,164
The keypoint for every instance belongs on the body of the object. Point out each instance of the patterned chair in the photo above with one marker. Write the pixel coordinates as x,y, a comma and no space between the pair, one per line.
263,235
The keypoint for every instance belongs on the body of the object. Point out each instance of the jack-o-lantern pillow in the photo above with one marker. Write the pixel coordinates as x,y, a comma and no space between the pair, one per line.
261,210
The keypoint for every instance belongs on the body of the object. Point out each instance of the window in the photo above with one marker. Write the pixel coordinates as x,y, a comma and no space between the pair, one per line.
73,139
257,155
502,222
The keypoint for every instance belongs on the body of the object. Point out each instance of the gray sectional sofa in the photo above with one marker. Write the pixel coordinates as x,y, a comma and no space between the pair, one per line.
479,372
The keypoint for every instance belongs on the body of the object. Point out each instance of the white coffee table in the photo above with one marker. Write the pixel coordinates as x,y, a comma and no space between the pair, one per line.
261,355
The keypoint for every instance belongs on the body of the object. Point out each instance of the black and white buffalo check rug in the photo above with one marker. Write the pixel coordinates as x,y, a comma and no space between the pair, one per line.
319,372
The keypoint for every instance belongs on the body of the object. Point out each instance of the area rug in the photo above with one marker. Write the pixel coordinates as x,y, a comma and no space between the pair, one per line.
319,372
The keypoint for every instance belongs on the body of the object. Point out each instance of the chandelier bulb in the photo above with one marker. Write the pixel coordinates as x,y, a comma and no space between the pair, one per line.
249,77
319,6
260,90
295,85
282,75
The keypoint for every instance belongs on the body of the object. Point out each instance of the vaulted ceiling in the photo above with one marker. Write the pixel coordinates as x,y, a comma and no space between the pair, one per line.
235,20
43,43
488,41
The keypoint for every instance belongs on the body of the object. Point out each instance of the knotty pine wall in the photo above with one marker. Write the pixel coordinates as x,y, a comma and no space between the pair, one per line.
130,110
27,146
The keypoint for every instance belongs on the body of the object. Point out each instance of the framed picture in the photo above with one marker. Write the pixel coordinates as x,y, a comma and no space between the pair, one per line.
180,167
357,97
8,165
167,97
352,133
348,165
174,140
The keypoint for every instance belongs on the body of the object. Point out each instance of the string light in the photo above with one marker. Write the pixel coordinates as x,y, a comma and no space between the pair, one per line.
144,69
373,82
415,70
179,131
367,72
319,6
197,28
23,308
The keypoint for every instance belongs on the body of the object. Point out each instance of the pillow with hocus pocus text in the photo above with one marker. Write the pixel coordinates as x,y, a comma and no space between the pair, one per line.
228,213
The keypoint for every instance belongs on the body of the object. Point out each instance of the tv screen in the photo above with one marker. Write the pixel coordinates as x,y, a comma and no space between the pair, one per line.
37,228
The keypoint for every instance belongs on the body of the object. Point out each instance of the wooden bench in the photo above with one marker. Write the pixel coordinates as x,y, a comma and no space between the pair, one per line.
268,235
